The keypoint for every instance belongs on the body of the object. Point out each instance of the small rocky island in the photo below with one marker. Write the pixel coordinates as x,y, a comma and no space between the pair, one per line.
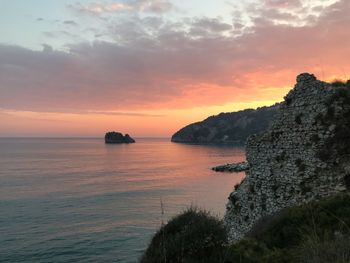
232,167
117,137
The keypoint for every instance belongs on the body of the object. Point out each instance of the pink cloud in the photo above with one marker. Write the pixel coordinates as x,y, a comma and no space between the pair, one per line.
160,65
283,3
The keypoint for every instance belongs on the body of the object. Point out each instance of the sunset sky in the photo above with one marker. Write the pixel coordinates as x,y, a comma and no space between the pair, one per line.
149,67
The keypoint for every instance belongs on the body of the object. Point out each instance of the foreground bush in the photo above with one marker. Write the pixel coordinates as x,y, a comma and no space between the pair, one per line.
318,232
334,249
319,219
341,83
193,236
315,232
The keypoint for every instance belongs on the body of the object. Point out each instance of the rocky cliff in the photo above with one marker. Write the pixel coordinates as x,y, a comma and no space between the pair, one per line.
303,156
233,127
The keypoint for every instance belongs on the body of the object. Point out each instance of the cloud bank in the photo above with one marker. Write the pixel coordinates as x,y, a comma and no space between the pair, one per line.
153,63
151,6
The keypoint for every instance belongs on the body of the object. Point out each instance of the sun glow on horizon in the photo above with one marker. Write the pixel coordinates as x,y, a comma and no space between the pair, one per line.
158,123
149,68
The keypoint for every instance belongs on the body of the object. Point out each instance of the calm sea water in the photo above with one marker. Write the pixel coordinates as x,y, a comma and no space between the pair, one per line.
79,200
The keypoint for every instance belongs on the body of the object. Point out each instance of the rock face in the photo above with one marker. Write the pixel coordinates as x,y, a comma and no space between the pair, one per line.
303,156
117,137
233,127
232,167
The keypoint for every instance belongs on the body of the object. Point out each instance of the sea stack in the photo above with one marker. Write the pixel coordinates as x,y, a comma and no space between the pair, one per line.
117,137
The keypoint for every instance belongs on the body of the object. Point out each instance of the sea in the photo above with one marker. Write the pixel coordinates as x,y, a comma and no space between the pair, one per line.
80,200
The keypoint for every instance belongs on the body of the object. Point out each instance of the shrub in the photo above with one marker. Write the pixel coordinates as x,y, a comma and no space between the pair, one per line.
233,199
298,119
291,227
315,232
251,189
324,154
328,249
342,94
347,181
301,166
202,132
193,236
341,83
305,189
281,157
237,186
314,138
338,83
339,143
276,134
252,251
274,187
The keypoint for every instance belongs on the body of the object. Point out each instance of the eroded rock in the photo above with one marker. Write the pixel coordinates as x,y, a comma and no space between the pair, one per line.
303,156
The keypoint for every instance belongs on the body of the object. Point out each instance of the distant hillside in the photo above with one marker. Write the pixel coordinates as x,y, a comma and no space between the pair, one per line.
234,127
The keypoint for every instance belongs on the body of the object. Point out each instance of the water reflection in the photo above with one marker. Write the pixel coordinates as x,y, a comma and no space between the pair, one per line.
82,200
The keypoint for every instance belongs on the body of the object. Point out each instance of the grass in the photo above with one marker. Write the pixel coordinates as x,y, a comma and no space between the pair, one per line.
316,232
325,250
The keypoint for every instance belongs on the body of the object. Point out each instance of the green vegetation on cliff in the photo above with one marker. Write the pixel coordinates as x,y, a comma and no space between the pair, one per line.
341,83
234,127
315,232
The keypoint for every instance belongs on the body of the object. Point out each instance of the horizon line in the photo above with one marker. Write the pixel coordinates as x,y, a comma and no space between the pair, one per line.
78,137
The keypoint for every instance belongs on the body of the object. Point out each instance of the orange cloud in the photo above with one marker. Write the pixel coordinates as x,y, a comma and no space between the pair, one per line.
174,73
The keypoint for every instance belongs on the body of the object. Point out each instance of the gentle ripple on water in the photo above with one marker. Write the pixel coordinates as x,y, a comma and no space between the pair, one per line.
79,200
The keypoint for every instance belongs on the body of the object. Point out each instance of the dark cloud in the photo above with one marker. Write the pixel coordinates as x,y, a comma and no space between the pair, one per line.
154,63
47,48
59,34
70,22
49,34
150,6
283,3
205,26
291,12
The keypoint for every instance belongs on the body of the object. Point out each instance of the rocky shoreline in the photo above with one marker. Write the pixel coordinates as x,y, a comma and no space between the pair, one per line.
232,167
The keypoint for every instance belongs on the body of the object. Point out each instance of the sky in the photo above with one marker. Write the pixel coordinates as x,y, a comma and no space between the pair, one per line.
150,67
